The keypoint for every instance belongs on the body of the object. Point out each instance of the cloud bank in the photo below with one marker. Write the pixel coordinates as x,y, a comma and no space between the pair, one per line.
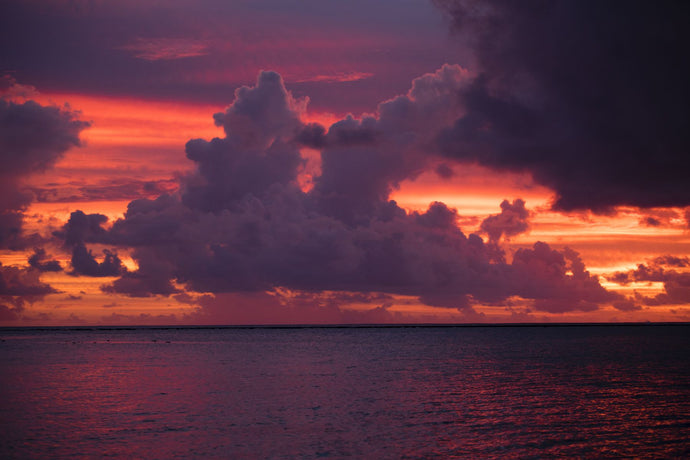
241,223
663,269
589,97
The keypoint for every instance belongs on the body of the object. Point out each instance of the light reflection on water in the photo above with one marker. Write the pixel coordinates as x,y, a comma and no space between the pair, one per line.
508,392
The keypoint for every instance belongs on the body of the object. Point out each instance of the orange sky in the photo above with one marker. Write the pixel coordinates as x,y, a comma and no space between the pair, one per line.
137,139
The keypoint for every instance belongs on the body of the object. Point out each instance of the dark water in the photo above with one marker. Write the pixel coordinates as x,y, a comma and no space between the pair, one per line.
483,392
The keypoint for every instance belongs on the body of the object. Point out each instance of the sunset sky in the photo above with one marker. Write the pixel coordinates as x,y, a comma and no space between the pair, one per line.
300,162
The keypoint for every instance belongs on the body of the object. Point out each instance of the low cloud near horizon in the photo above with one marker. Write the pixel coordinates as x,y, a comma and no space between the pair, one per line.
241,223
299,215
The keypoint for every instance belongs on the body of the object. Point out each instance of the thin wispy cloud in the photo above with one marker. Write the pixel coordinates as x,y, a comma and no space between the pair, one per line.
159,49
339,77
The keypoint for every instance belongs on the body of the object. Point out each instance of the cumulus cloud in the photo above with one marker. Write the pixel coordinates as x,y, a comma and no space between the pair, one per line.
261,114
363,160
558,280
32,138
241,223
254,155
84,262
589,97
663,269
672,261
676,291
512,221
17,287
39,260
151,278
84,228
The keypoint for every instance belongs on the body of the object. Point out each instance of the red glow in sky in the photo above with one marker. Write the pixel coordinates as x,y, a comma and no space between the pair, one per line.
267,163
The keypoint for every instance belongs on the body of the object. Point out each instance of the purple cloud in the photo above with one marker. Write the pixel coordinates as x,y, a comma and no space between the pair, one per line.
17,287
242,224
156,49
557,280
151,278
32,138
82,228
84,263
104,190
39,261
589,97
676,283
512,221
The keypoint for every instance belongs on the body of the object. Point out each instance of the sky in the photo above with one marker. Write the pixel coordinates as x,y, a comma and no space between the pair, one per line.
315,162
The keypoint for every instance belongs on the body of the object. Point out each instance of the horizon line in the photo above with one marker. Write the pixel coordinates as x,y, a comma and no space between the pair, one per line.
345,326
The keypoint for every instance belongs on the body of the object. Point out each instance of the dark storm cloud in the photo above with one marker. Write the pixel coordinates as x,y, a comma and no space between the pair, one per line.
512,221
590,97
241,224
32,138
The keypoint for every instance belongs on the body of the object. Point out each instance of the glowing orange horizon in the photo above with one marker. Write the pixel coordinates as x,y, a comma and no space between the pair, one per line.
144,140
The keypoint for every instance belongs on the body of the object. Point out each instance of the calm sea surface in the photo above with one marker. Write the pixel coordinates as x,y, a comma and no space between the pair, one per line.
408,392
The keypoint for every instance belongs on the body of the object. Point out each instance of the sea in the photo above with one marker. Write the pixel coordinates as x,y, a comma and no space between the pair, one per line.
416,392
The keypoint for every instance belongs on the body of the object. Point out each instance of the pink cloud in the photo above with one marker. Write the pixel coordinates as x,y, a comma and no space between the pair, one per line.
337,77
156,49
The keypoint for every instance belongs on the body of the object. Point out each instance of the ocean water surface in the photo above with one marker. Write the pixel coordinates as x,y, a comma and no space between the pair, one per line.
373,392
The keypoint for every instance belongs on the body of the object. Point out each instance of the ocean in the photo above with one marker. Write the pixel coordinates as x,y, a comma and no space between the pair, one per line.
604,391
